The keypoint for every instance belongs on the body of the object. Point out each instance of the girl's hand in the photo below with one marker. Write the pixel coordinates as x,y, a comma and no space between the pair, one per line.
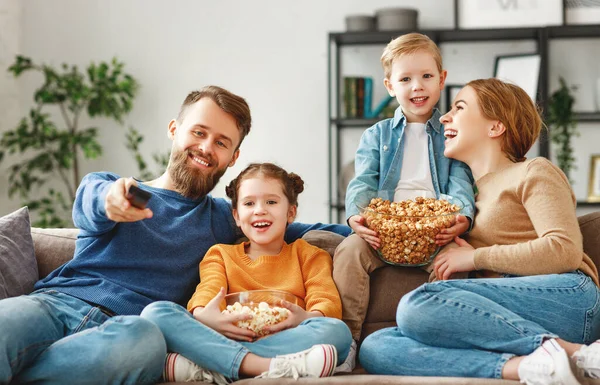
297,315
445,236
357,223
455,260
212,317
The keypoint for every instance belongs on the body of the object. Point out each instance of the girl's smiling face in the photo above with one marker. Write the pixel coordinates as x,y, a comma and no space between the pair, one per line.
263,212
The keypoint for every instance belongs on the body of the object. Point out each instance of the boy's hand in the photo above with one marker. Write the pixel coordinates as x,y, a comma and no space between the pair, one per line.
455,260
445,236
357,223
117,206
212,317
296,316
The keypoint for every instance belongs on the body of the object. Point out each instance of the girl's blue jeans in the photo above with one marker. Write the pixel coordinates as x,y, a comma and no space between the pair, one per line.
53,338
471,327
211,350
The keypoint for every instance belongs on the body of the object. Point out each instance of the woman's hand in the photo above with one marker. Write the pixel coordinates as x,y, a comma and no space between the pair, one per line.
296,316
357,223
212,317
445,236
455,260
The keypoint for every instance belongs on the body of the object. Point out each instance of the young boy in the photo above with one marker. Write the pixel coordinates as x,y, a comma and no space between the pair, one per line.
397,159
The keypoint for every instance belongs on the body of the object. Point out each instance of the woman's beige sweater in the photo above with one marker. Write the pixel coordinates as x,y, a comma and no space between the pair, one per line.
526,224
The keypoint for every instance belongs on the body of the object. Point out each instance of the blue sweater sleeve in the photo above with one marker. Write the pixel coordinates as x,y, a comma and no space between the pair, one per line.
89,214
297,230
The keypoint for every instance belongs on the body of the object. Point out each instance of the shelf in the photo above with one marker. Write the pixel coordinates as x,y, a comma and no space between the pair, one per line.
587,117
440,36
587,204
574,31
448,35
356,122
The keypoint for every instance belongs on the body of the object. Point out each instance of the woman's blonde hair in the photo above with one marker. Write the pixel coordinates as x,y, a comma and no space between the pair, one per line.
406,45
509,104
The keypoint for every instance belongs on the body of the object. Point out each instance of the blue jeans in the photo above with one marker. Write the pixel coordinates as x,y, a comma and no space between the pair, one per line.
213,351
53,338
471,327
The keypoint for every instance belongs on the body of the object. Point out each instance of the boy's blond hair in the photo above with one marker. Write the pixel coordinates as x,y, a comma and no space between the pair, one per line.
406,45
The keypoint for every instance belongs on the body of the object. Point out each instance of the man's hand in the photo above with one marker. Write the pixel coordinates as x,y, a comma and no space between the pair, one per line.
117,206
455,260
445,236
212,317
296,316
357,223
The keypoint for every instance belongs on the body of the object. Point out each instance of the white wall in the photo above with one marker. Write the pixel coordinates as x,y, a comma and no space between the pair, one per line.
10,30
272,52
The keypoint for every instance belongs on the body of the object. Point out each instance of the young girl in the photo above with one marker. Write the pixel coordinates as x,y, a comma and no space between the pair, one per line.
532,304
311,342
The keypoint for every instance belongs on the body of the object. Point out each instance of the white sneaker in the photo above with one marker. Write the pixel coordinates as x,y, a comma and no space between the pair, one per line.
588,359
180,369
318,361
350,363
547,365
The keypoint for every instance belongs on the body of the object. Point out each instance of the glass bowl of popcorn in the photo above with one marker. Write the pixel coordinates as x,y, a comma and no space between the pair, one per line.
264,306
407,229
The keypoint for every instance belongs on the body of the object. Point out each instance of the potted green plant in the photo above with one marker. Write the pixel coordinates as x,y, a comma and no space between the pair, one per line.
563,126
48,150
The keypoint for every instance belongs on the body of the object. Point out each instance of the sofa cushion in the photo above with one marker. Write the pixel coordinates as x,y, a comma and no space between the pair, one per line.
388,285
323,239
590,229
53,247
18,267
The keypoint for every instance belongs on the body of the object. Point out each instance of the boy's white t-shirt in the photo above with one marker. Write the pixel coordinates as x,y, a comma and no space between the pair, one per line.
415,176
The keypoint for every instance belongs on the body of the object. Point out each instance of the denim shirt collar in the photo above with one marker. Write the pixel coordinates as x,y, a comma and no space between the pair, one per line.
433,122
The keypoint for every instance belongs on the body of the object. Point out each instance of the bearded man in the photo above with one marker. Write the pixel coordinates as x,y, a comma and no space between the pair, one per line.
81,324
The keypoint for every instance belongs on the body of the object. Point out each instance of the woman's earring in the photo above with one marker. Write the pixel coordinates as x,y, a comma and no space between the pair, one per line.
490,133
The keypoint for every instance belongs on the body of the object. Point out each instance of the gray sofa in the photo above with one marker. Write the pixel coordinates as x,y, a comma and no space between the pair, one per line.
53,247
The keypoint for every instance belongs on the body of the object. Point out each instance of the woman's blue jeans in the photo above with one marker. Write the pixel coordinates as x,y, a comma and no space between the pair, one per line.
471,327
53,338
213,351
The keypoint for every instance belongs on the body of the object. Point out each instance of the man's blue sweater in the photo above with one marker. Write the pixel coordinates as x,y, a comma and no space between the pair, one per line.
125,266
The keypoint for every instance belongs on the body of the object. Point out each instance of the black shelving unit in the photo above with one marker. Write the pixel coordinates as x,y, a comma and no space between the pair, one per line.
587,204
541,35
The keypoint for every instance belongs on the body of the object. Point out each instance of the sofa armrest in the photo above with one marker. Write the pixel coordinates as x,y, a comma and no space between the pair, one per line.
590,229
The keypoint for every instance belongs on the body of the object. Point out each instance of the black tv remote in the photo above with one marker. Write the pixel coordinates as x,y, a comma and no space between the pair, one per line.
138,197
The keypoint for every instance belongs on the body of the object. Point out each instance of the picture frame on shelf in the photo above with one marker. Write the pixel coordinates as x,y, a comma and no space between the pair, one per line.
520,69
582,12
483,14
450,92
594,183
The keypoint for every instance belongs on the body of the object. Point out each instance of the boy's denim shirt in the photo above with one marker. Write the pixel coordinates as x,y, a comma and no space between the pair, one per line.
379,161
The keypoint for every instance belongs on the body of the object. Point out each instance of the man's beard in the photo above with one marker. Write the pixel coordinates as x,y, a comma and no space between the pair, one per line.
190,181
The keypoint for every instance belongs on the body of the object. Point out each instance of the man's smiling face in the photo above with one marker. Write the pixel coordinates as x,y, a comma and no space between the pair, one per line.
205,144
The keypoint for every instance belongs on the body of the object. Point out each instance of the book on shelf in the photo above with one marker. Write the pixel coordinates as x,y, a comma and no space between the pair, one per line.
358,97
381,106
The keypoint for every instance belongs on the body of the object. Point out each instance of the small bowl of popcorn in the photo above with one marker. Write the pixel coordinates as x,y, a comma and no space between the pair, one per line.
407,229
264,306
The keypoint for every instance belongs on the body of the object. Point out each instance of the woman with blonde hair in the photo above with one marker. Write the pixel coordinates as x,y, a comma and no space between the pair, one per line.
531,304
